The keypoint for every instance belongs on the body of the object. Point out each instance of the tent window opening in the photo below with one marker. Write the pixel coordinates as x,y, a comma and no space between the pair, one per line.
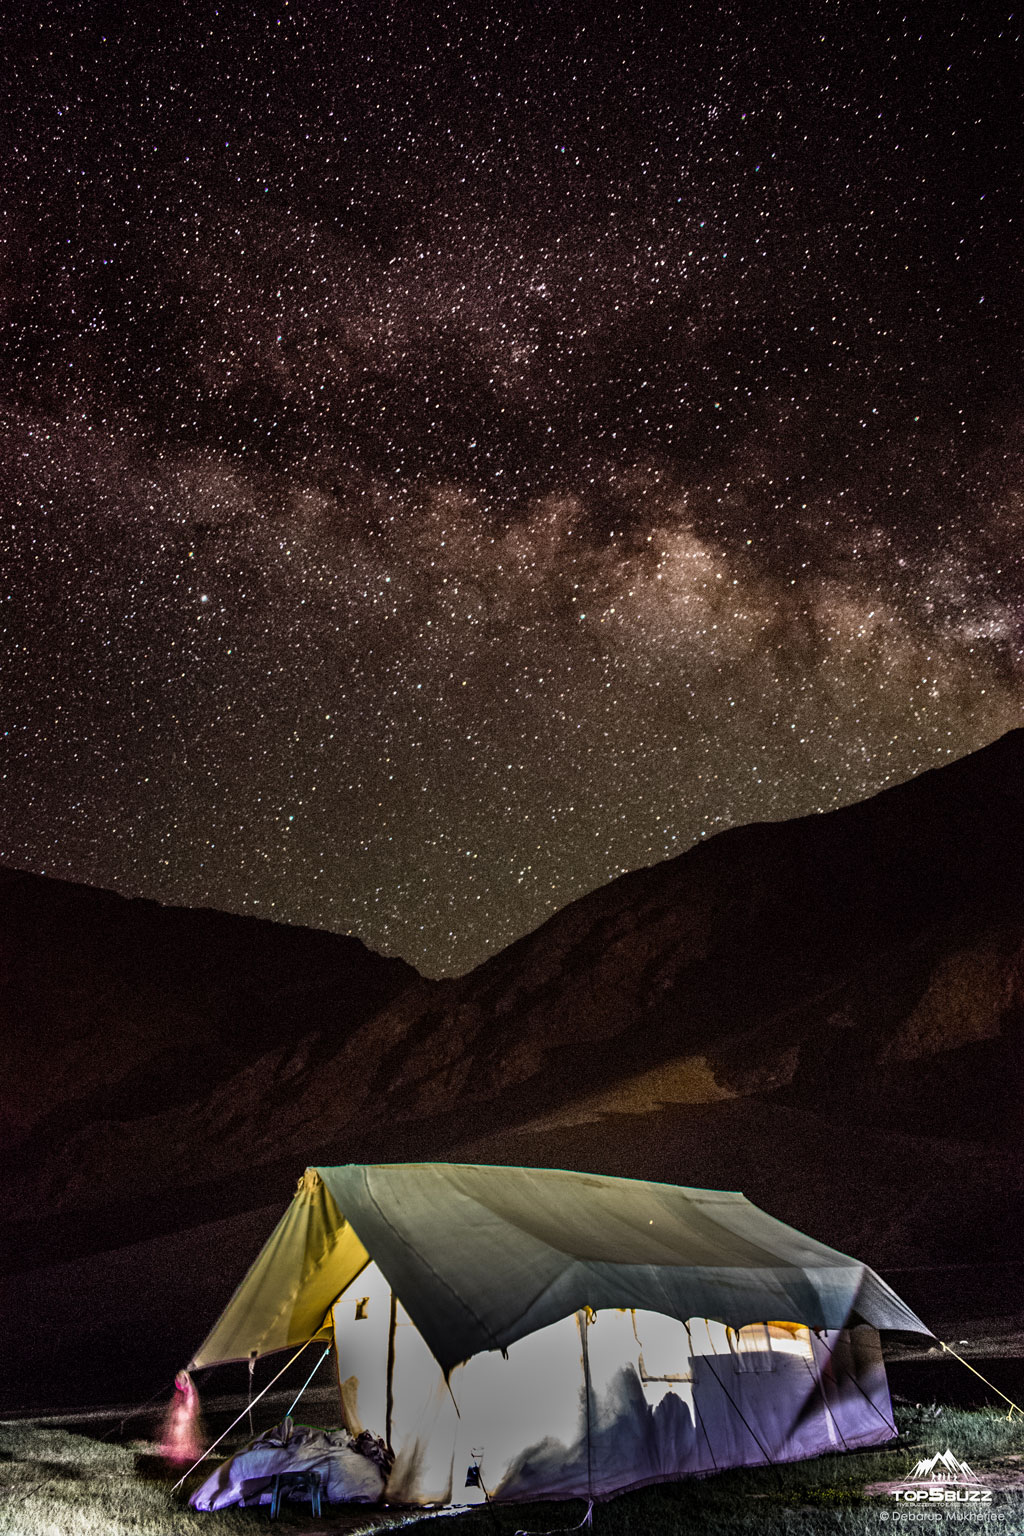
751,1349
790,1339
664,1351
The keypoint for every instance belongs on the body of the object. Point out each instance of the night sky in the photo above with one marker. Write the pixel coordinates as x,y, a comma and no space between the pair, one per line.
452,458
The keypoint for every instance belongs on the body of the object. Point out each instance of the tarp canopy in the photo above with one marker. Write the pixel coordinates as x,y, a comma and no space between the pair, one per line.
483,1256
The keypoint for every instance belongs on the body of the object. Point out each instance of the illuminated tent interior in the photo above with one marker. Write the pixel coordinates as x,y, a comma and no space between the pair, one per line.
550,1334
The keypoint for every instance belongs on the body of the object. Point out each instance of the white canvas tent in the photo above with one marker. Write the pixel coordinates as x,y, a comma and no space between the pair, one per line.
566,1333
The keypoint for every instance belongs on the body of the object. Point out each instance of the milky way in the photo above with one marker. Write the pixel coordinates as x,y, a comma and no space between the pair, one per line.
450,461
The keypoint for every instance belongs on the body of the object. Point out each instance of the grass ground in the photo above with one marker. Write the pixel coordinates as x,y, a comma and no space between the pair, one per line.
53,1483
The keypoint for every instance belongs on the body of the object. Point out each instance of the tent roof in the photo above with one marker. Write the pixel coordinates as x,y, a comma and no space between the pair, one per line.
482,1256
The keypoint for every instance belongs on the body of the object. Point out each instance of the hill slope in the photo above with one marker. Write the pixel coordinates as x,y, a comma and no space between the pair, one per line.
118,1014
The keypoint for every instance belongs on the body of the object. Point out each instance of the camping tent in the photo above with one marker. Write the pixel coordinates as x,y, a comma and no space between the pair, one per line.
541,1333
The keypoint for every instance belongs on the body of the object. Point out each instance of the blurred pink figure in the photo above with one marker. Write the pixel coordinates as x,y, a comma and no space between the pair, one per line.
182,1433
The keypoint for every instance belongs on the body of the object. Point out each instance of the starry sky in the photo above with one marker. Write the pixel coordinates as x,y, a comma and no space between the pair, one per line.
453,456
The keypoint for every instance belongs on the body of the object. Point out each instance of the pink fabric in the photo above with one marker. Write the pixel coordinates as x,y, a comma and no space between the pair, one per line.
182,1438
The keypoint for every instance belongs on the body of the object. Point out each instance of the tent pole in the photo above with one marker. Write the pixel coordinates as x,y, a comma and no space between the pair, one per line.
390,1403
585,1332
252,1382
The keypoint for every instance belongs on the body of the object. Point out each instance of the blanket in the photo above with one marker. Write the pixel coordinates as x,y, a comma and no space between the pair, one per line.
351,1470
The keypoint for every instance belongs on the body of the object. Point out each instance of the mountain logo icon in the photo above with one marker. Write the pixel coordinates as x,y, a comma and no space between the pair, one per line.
943,1467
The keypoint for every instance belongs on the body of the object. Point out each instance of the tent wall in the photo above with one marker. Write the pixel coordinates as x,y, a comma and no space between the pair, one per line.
391,1384
666,1399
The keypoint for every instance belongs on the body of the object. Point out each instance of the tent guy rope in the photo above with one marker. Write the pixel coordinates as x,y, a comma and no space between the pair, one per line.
241,1416
307,1381
1014,1407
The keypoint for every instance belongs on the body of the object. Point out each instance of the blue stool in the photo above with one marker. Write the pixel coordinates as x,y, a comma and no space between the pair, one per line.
309,1483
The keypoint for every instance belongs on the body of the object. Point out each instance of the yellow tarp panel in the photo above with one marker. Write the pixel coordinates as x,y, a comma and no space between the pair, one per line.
284,1300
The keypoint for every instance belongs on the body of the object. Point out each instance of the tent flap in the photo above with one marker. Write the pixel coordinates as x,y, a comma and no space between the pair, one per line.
308,1260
